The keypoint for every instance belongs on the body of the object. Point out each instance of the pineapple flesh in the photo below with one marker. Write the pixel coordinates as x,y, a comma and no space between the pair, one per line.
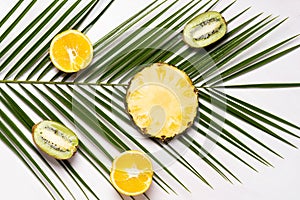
162,101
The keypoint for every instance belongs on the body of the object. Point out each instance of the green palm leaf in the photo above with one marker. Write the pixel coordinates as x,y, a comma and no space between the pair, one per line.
91,101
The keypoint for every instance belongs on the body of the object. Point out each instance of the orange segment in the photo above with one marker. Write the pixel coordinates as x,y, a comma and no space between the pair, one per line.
71,51
131,173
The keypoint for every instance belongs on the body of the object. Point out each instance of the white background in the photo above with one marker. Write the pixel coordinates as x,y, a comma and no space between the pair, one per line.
280,182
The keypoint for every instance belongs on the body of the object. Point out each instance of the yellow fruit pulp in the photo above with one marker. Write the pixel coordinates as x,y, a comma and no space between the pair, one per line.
131,173
71,51
152,115
162,101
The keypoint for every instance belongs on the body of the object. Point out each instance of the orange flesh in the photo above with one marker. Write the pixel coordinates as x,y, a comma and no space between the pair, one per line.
71,52
131,173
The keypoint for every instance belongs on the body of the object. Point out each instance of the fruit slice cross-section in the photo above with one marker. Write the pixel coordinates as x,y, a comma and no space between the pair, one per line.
131,173
162,101
204,29
55,139
71,51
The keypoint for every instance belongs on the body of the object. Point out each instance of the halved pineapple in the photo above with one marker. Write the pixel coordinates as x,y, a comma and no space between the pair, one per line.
162,101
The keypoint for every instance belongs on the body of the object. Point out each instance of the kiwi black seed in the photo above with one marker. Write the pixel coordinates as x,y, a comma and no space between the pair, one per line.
55,139
204,29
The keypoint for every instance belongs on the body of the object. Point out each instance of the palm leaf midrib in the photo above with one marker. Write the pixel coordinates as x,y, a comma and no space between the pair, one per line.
60,83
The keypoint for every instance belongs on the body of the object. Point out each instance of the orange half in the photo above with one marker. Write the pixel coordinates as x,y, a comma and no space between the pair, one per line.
131,173
71,51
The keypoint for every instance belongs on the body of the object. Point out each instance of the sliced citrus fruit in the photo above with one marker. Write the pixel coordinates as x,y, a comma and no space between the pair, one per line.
71,51
131,173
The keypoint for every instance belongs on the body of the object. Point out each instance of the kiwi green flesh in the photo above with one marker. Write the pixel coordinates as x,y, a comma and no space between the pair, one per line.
55,139
204,29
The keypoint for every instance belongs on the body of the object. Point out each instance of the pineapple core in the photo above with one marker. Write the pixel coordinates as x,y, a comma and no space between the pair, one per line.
162,101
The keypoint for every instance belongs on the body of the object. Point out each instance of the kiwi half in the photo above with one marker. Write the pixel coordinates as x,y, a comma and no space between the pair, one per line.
204,29
55,139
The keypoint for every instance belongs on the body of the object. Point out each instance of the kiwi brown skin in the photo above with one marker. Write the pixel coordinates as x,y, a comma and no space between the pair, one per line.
58,158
